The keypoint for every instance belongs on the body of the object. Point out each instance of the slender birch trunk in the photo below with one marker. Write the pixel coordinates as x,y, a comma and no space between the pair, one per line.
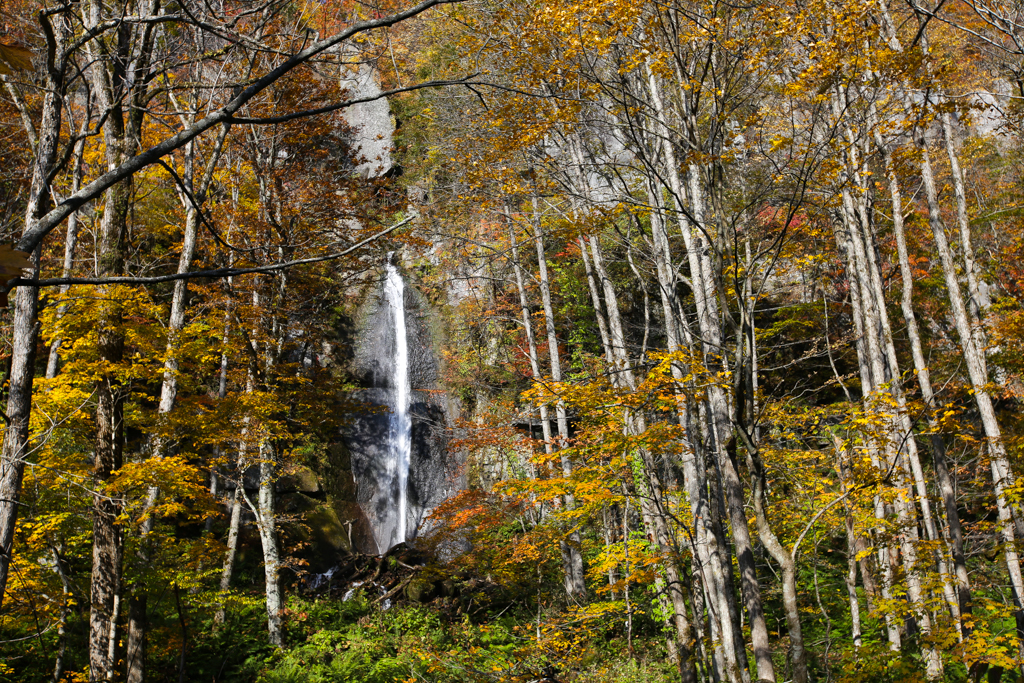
904,443
575,585
979,300
854,549
531,341
900,447
595,297
695,229
193,197
711,333
70,242
264,509
706,555
235,506
974,358
231,551
786,561
266,522
943,479
851,583
976,336
844,224
653,505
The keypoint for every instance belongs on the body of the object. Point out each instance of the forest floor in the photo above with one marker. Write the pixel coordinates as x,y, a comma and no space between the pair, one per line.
402,617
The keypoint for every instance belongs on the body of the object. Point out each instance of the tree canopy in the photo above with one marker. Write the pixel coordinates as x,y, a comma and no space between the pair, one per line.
726,301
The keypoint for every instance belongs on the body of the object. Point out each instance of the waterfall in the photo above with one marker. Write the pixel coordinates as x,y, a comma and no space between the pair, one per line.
399,447
400,476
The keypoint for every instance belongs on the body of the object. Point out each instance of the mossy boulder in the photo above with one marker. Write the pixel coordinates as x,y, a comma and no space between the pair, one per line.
422,590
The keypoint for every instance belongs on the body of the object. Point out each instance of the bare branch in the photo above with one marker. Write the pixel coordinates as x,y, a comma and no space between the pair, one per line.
31,239
215,273
348,103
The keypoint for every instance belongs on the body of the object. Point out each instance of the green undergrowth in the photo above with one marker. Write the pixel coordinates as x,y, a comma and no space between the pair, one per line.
358,641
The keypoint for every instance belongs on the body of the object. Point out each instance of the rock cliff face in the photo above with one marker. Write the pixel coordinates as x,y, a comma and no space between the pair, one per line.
373,128
434,472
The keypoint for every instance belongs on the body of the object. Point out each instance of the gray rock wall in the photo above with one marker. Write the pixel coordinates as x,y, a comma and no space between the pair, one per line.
373,128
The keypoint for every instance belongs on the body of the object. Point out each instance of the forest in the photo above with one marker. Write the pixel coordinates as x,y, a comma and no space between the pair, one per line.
511,341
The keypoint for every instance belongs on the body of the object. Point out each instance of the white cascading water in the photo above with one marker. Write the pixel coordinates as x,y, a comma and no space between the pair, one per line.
400,423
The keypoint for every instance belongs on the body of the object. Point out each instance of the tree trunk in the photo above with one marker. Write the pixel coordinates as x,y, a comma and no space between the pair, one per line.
25,328
135,652
595,297
979,300
935,222
135,656
265,507
786,561
232,550
706,548
851,582
868,359
267,523
19,405
1002,475
653,504
945,484
70,241
119,77
885,371
107,533
531,341
572,557
694,229
176,320
708,319
903,445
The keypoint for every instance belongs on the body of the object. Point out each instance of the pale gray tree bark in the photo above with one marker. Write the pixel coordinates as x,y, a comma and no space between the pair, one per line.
974,359
264,509
531,341
689,206
962,599
25,324
653,502
702,275
866,338
70,243
902,448
575,585
707,561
